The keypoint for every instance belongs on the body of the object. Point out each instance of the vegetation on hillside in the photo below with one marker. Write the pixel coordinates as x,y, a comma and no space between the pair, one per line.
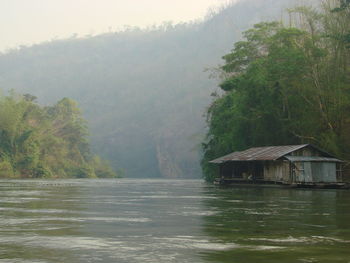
143,92
286,84
45,142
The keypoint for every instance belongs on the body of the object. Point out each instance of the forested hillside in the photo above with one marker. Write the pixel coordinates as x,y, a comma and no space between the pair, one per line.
143,92
45,142
286,84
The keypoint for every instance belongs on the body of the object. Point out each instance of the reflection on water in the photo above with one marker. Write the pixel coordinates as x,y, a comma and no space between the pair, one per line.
170,221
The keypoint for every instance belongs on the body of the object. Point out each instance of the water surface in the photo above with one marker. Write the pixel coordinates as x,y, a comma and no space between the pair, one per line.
170,221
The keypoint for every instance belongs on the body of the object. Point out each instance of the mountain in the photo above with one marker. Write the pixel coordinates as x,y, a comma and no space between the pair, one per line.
144,92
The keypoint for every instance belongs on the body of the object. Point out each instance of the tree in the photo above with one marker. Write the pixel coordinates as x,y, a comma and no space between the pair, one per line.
45,141
284,85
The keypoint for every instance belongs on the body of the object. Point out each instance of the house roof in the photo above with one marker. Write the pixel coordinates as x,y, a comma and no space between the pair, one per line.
270,153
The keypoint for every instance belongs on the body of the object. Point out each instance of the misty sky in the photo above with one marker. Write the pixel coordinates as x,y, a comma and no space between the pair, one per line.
32,21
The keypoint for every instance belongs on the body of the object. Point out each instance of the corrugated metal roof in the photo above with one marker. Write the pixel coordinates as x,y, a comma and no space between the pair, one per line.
312,159
269,153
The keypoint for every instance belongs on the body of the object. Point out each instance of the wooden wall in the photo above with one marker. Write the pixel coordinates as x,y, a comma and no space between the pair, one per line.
307,151
277,171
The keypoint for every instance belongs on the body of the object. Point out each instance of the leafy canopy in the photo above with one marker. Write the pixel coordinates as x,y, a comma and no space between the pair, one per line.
285,85
45,142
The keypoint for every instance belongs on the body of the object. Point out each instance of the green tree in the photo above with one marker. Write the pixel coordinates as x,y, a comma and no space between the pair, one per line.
45,141
284,85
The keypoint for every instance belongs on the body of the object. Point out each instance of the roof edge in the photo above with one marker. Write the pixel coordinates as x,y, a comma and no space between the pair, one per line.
301,146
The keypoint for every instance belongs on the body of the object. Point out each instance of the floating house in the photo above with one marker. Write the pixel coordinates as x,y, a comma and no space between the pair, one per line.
298,165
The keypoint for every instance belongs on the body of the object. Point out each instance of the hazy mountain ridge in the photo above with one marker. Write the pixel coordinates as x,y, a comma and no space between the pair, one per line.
143,92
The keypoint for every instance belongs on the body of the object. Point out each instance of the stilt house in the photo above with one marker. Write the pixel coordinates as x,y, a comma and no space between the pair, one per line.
293,164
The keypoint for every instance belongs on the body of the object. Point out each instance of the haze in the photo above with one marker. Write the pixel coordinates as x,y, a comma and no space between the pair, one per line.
25,22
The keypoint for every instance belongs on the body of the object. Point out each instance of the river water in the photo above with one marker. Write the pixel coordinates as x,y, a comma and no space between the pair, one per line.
170,221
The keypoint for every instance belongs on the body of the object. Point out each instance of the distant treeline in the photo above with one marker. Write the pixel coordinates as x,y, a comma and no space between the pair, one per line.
286,84
45,142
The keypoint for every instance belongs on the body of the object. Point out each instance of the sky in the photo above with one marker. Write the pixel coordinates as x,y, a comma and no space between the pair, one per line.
25,22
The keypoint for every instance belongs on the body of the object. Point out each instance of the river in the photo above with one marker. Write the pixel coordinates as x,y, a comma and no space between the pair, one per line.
169,221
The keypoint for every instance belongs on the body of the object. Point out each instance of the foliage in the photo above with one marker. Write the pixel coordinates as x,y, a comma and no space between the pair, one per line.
344,8
143,91
45,142
285,85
